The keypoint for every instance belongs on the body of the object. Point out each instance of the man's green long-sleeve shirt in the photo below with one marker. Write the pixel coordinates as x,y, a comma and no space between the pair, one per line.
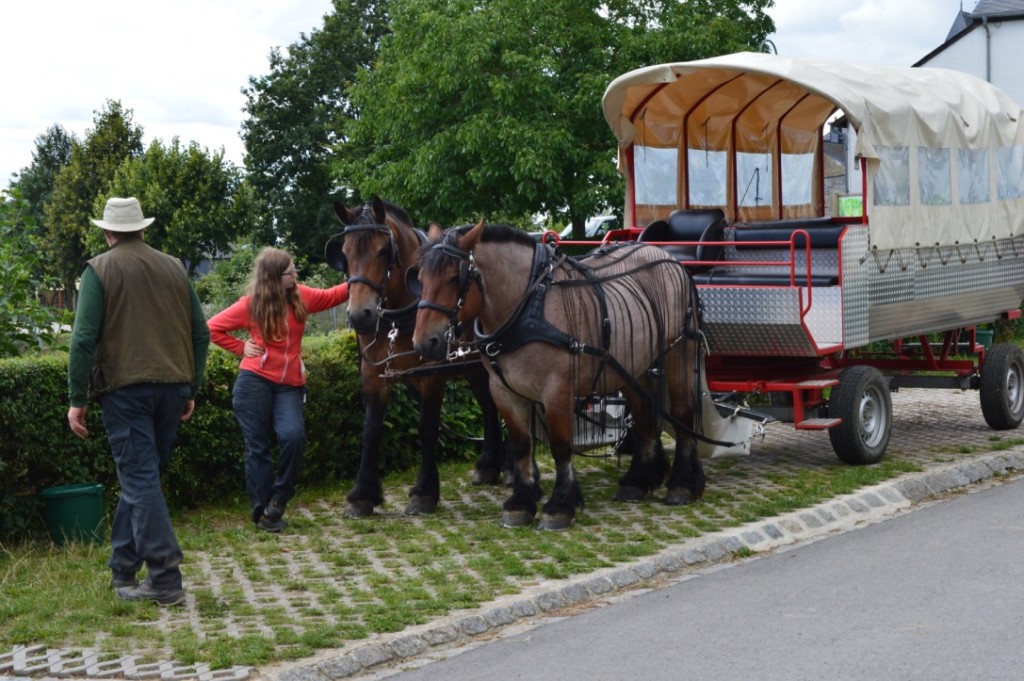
86,335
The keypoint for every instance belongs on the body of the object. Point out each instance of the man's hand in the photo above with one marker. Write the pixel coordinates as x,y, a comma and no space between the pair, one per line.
76,419
190,407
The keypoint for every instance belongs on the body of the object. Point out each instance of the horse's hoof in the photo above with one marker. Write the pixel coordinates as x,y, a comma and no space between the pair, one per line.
421,506
629,494
516,518
679,497
559,521
486,477
358,509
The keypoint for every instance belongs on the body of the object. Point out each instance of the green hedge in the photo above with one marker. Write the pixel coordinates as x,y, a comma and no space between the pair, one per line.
38,450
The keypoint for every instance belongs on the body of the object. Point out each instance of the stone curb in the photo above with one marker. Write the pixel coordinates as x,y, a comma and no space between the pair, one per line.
865,506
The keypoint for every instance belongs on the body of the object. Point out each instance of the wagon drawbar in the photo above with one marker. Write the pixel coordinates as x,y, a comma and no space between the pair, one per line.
819,315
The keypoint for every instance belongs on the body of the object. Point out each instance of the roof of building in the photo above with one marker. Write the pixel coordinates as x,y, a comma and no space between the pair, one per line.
966,21
985,9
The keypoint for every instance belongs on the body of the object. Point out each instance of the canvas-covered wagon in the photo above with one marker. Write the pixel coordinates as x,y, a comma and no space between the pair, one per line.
822,315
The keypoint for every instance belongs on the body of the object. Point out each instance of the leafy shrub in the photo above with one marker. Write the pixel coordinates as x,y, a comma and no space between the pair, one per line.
26,324
39,450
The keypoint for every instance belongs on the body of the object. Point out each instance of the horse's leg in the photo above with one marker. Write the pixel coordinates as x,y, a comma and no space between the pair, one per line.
492,462
648,464
426,493
520,509
560,510
686,481
368,491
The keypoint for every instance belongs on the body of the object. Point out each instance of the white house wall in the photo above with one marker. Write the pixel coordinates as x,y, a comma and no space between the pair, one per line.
968,54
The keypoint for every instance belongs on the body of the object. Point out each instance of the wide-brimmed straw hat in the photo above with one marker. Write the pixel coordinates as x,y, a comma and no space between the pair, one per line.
123,215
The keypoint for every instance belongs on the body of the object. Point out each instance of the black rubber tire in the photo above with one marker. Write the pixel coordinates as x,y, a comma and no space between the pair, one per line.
863,402
1002,386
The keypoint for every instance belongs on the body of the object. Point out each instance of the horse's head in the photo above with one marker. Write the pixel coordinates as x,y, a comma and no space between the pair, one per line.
375,249
449,288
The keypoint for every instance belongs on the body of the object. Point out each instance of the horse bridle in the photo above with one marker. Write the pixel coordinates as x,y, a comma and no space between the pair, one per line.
544,263
468,275
401,319
394,257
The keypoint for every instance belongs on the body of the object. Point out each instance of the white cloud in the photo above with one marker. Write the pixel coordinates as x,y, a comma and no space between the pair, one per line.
180,65
863,31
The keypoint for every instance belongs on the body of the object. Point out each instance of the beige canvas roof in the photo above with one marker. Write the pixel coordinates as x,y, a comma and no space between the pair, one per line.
886,106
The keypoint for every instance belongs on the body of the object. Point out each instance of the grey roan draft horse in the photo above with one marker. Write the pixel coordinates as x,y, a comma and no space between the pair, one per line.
555,329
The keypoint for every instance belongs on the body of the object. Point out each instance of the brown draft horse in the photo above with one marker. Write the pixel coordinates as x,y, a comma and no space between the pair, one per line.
376,248
554,329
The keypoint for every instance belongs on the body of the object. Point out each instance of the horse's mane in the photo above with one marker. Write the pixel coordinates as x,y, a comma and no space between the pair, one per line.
433,259
506,234
365,216
397,211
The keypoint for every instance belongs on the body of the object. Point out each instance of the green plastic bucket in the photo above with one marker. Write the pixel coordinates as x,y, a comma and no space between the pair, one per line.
74,513
985,336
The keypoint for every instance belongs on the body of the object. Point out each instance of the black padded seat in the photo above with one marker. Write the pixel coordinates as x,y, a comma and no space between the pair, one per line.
823,232
694,226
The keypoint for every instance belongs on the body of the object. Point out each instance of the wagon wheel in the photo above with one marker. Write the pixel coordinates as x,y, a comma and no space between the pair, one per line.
863,402
1002,386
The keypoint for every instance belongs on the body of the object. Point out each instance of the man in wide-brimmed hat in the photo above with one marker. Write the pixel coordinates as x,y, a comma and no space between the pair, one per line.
139,348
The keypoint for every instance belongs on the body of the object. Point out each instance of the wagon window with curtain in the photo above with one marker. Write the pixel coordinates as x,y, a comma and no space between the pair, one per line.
707,177
656,175
934,176
797,179
972,166
754,179
1010,172
892,181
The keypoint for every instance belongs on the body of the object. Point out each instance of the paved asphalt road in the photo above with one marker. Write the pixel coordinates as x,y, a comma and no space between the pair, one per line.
934,594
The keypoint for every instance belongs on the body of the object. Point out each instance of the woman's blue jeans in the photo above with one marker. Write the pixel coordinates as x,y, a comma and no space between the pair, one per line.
266,410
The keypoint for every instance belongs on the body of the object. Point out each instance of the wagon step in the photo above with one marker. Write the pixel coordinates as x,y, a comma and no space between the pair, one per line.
816,383
817,424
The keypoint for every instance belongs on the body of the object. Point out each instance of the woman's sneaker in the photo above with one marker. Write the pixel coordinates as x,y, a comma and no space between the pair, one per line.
271,520
274,510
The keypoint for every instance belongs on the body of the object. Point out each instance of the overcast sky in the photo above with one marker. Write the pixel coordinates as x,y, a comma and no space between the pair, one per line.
180,66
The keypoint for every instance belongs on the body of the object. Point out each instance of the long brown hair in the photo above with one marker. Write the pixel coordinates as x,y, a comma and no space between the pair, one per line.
269,300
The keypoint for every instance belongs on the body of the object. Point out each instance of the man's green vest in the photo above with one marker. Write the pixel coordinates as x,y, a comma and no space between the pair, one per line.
146,335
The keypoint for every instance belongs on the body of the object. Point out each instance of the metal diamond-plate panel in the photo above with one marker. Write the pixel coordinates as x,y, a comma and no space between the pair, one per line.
936,289
855,304
754,321
825,318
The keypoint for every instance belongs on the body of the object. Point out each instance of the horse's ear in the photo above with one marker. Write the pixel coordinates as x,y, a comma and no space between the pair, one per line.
344,215
434,232
379,212
472,237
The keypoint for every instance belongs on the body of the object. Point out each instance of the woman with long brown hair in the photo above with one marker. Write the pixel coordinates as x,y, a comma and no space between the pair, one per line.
271,386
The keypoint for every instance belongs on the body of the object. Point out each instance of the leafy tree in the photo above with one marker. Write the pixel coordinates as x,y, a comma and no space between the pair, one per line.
26,323
190,193
296,115
36,182
492,108
228,280
93,164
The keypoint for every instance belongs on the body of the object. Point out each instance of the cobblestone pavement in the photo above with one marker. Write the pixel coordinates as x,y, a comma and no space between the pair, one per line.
940,431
